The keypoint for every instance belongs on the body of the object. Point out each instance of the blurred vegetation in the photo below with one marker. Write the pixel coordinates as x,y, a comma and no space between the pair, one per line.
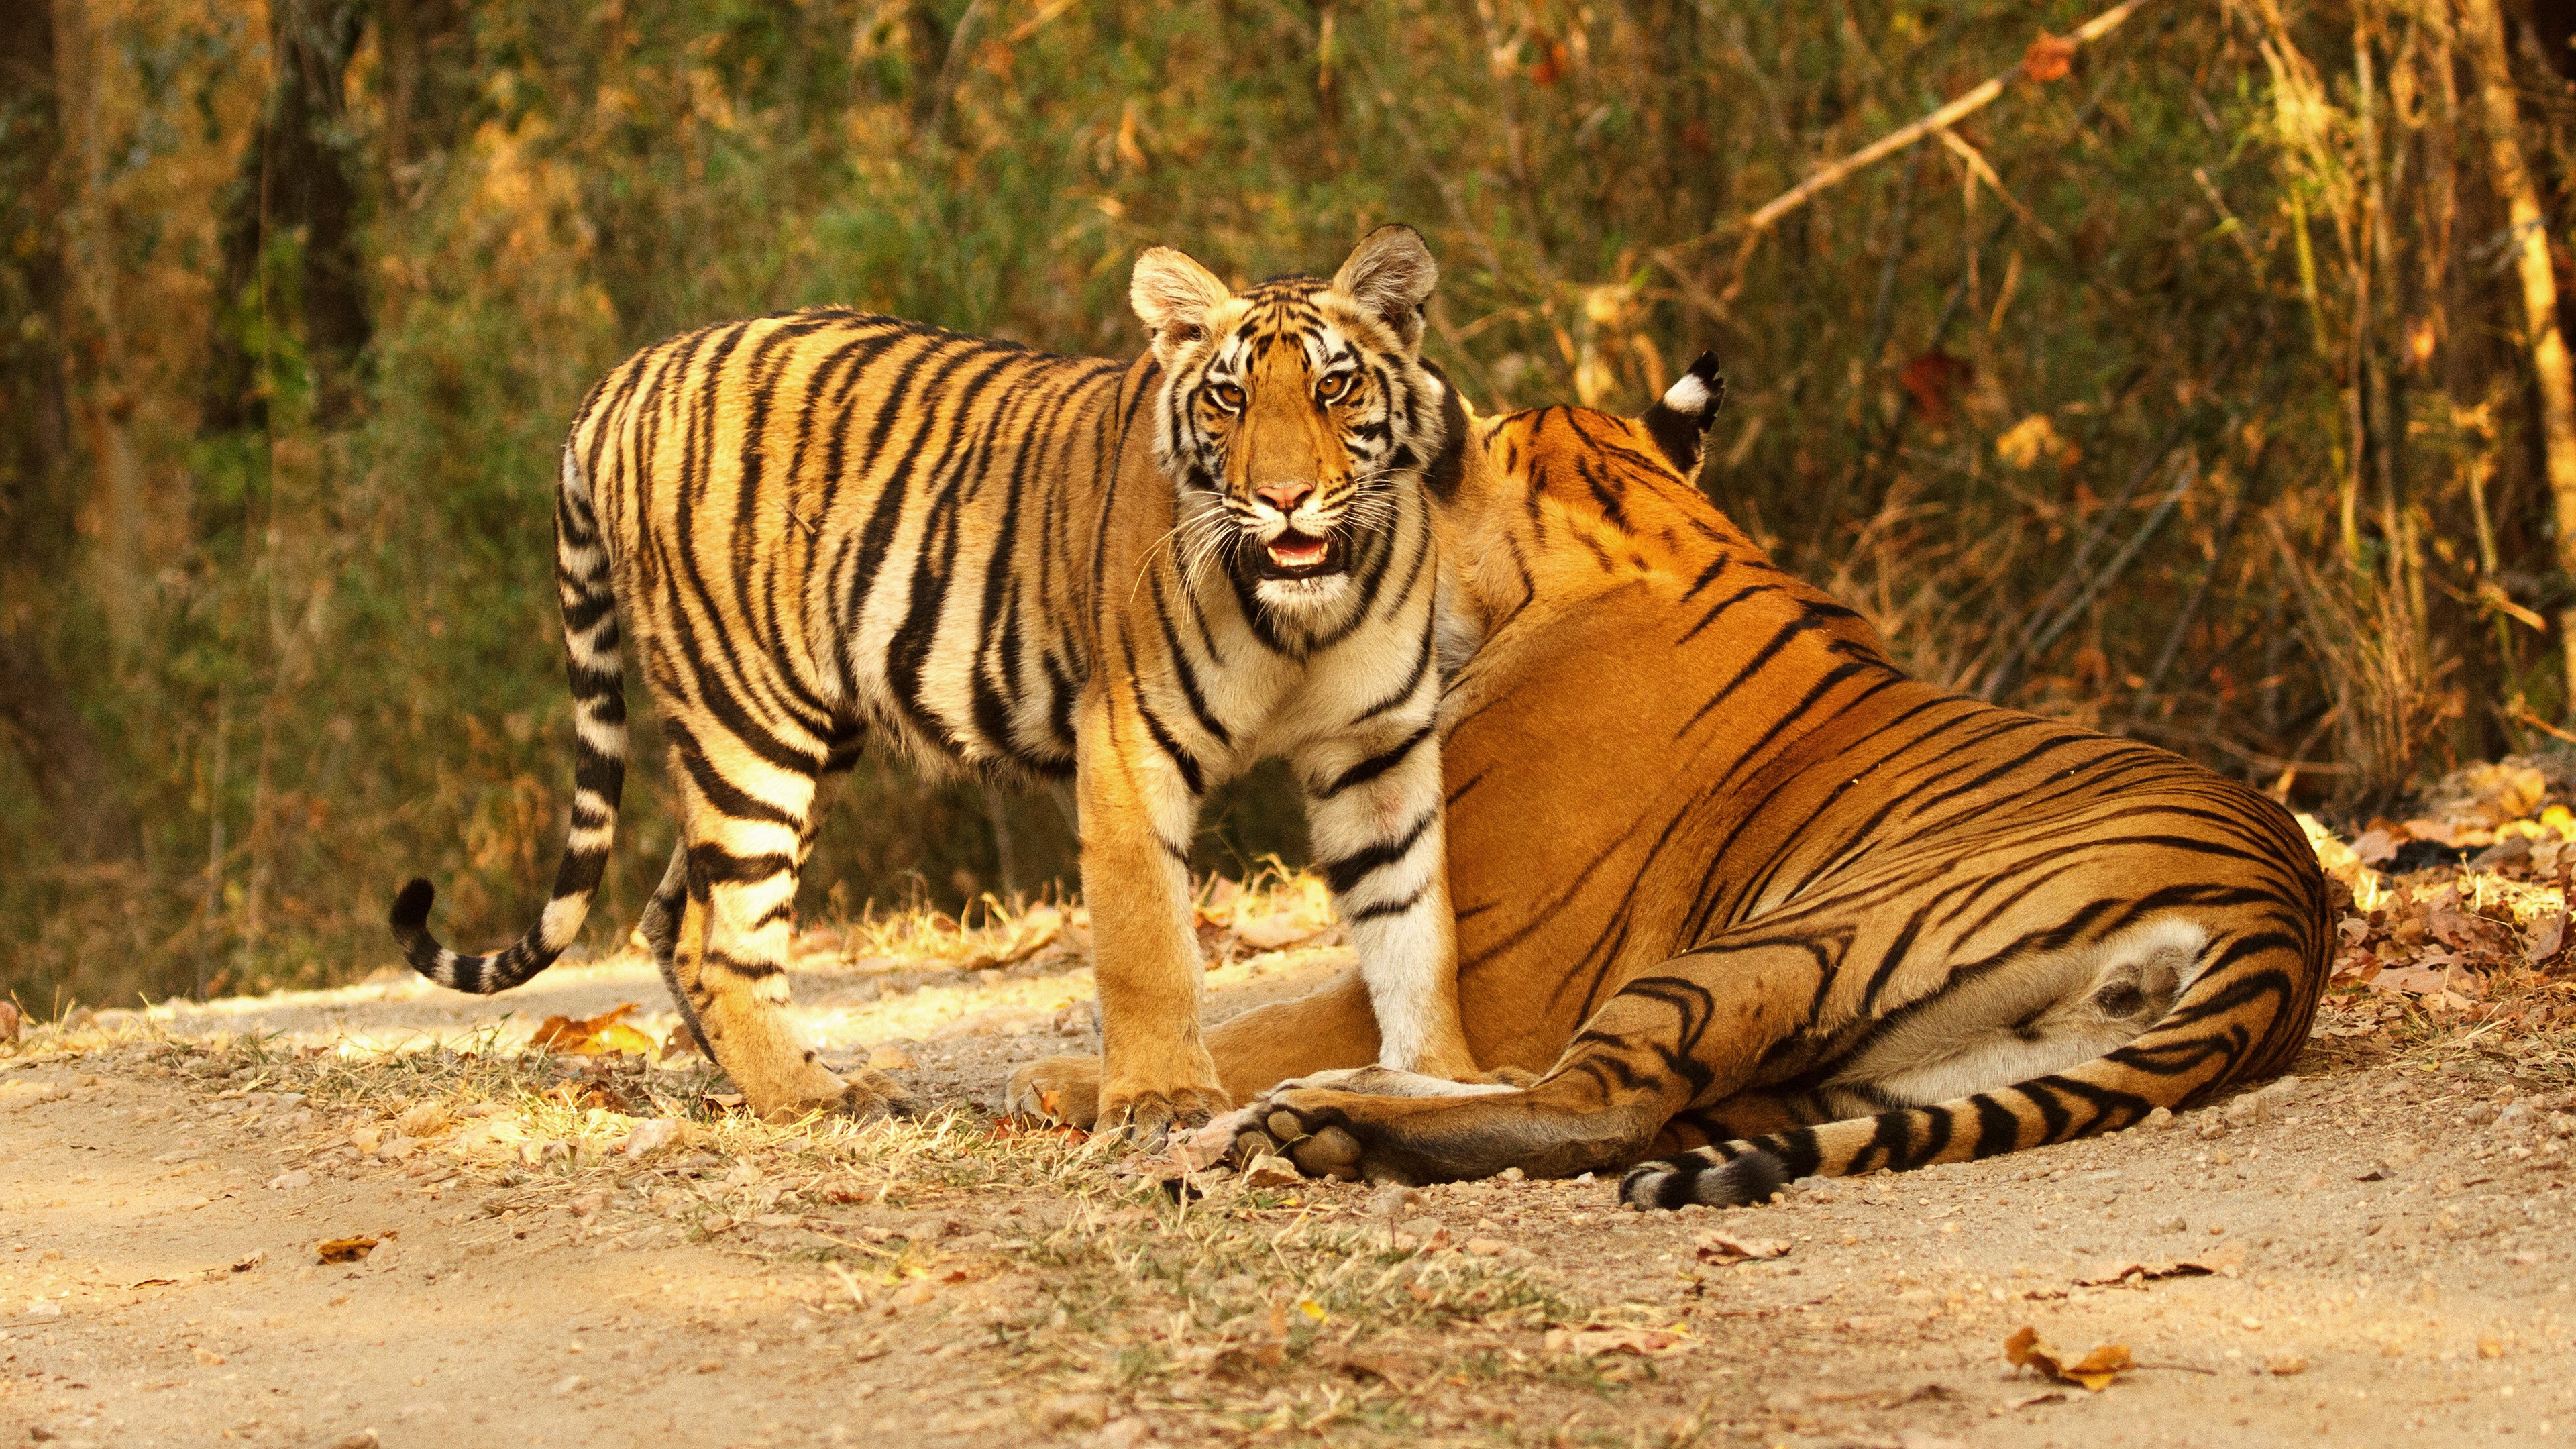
2183,392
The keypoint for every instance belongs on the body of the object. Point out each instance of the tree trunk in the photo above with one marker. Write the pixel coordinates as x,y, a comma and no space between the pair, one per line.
299,179
2483,27
38,496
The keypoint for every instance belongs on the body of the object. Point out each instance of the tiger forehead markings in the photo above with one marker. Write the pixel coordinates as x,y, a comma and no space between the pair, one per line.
826,525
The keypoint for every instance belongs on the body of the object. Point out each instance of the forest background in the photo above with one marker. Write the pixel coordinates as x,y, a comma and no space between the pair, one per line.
2198,386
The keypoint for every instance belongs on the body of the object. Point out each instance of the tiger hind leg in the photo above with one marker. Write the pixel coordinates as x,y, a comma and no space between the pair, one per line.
1695,1028
660,925
745,838
2160,1016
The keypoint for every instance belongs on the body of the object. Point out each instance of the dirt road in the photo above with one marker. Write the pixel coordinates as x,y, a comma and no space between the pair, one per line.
2389,1238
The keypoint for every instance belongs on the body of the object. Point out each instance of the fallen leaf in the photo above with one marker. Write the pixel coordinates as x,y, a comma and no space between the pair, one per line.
2094,1371
1723,1248
12,1022
650,1136
346,1250
1277,930
1269,1169
1594,1340
1027,936
426,1120
2044,1396
2225,1259
2049,58
2547,940
606,1034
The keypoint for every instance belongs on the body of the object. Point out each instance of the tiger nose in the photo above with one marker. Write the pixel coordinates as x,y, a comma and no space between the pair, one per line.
1284,496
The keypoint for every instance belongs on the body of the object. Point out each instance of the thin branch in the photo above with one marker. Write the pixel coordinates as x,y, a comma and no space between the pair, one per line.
1832,173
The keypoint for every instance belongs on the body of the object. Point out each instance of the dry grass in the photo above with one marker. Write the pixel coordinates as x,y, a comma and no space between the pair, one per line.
1245,1310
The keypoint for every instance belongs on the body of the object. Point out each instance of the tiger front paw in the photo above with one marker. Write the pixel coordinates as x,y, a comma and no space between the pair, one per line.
1149,1115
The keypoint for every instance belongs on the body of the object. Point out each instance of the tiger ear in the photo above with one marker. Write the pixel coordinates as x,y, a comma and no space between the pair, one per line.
1173,295
1391,273
1678,421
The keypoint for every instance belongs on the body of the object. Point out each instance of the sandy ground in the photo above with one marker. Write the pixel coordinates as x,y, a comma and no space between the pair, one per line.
2390,1236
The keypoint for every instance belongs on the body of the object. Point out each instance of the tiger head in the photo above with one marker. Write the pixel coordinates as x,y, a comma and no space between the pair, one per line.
1294,414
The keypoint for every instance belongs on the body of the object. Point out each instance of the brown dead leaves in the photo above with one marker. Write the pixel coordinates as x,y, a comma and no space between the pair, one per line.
1235,921
2225,1260
1016,940
346,1250
2094,1371
2454,903
606,1034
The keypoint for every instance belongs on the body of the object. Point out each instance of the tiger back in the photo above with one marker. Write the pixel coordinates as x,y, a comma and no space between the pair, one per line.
826,526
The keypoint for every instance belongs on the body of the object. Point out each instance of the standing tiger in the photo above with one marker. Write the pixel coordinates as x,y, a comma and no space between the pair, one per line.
1732,881
1144,575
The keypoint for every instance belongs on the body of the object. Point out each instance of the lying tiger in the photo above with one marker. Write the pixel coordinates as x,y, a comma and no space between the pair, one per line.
1754,901
1144,575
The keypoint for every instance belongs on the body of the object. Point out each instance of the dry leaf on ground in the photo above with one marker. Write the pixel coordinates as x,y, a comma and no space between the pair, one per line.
2225,1259
1723,1248
1027,936
11,1022
602,1035
1271,1170
2094,1371
1594,1339
345,1250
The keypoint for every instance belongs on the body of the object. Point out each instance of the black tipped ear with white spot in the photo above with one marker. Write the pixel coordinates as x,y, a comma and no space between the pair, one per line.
1678,421
1391,273
1173,296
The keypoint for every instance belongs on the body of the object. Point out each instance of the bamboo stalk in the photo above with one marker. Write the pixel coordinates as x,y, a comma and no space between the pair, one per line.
2484,27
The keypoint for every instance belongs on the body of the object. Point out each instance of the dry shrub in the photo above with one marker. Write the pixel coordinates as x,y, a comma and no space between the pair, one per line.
2376,662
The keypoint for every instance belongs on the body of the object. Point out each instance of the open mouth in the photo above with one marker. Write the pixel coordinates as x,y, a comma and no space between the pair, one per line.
1294,555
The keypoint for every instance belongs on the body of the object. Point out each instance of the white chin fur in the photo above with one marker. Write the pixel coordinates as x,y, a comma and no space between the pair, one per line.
1316,593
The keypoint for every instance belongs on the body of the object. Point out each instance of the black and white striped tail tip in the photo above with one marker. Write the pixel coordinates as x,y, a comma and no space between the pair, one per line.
476,974
1678,1182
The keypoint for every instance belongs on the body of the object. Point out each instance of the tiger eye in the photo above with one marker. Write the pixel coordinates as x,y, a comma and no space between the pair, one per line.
1332,388
1228,395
